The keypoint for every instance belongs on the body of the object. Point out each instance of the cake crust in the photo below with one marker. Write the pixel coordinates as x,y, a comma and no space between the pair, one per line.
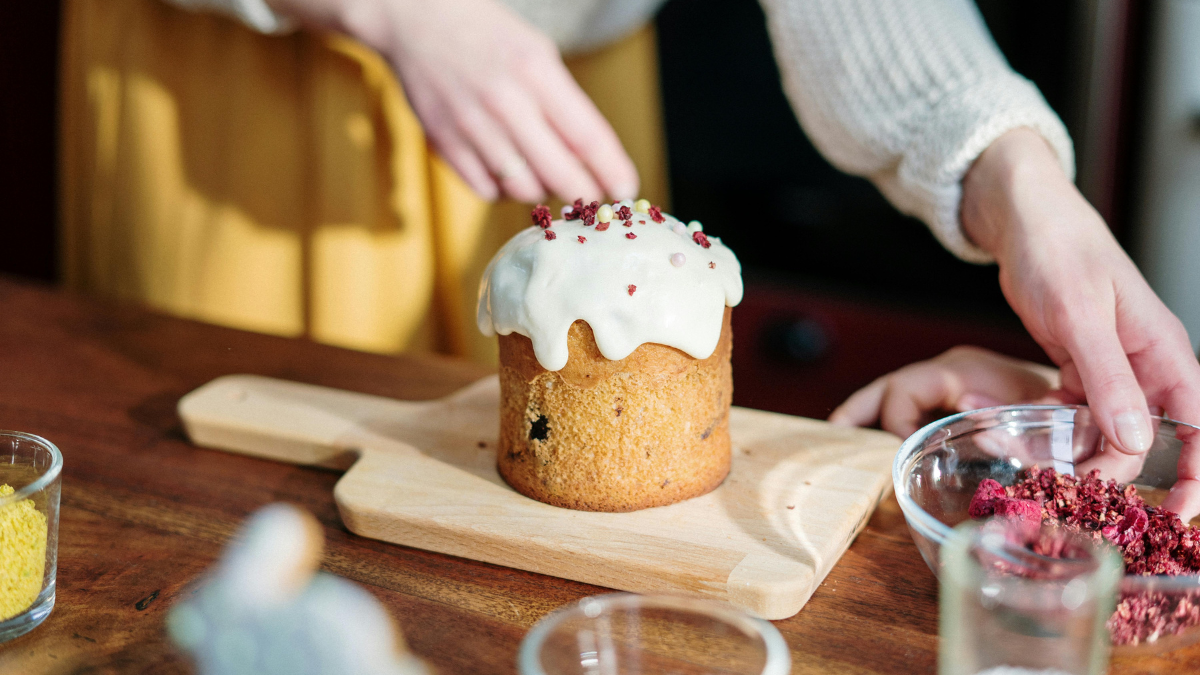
600,435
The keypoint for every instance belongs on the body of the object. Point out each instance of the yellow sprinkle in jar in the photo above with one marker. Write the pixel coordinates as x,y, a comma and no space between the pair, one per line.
30,486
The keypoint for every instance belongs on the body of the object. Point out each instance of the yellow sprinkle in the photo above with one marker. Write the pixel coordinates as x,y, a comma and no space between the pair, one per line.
22,554
604,214
641,206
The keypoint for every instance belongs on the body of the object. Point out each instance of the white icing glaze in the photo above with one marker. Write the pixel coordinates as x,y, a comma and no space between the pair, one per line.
539,287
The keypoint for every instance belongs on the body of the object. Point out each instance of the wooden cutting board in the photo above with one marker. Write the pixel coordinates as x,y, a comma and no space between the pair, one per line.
423,474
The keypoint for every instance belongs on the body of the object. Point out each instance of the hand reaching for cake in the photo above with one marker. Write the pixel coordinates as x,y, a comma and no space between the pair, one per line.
961,379
492,94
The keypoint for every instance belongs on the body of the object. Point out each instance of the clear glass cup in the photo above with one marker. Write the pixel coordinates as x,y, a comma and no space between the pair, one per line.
32,467
1007,610
627,634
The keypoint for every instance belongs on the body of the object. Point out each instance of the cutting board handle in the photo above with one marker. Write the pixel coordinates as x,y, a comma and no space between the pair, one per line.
280,420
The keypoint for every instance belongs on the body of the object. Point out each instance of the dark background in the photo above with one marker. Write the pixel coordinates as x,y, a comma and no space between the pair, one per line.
841,288
28,94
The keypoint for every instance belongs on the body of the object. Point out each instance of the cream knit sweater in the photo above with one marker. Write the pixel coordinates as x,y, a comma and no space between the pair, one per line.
904,92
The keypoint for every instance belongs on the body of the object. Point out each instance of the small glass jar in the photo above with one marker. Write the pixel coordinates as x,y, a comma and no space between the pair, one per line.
627,634
30,482
1006,610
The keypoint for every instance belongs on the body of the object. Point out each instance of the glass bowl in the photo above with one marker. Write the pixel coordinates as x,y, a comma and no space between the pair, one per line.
939,467
31,466
627,634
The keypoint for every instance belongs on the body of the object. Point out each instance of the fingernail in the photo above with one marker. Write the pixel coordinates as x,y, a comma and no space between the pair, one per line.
1132,431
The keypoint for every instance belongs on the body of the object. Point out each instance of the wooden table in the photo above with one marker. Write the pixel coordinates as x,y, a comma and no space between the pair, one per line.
144,512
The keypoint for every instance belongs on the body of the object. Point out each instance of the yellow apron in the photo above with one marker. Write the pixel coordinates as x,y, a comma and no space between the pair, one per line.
283,184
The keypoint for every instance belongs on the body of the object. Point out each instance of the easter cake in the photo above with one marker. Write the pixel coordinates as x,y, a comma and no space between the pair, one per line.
615,341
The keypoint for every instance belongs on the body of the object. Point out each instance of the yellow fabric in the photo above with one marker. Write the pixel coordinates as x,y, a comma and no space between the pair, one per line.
282,184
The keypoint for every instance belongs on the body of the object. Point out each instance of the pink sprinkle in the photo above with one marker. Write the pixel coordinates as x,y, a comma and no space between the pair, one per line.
679,228
678,259
632,288
581,238
630,235
550,236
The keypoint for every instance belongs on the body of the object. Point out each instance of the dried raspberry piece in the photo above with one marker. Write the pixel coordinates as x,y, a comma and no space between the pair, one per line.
541,216
550,236
582,239
630,235
575,213
655,214
1019,509
983,501
589,213
641,222
628,223
632,288
600,227
712,265
1133,525
702,239
624,213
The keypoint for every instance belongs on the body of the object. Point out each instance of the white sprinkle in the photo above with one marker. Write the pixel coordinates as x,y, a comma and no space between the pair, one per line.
678,259
679,228
567,208
695,226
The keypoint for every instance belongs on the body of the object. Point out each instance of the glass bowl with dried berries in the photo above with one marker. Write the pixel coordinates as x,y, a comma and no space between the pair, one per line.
1053,462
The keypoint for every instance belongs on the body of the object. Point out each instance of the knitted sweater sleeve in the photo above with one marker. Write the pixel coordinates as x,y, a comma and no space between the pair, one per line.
906,93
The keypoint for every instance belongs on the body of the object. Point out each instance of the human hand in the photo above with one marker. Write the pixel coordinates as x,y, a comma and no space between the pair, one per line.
492,94
961,379
1083,300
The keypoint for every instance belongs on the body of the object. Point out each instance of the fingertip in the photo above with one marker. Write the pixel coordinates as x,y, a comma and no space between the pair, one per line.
843,417
968,402
1183,498
588,193
622,183
1133,431
840,418
525,191
486,191
624,191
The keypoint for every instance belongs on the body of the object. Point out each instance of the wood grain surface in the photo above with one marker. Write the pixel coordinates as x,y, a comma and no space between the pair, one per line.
425,475
144,511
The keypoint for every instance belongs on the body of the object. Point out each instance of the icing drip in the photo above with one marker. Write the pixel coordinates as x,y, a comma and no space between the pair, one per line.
538,286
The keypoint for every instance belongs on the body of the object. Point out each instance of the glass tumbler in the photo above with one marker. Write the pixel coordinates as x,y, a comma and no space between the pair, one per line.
627,634
1008,610
30,481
